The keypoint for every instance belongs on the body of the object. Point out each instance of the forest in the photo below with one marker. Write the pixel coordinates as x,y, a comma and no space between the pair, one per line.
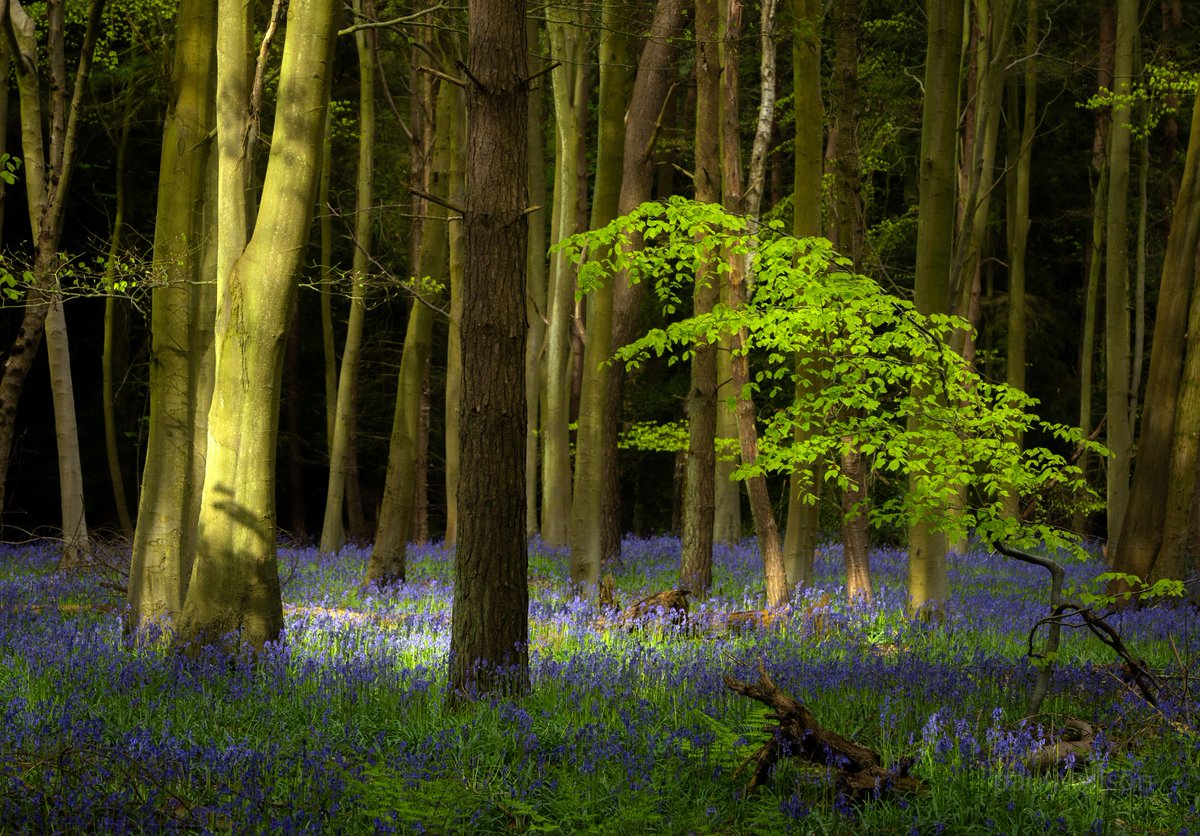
426,417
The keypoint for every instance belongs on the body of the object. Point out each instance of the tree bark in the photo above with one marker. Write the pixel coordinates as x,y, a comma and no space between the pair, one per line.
490,620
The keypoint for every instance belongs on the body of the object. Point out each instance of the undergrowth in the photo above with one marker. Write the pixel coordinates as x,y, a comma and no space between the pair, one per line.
342,727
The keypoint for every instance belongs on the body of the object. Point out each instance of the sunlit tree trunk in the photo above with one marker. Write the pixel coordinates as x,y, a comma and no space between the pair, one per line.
1119,438
490,619
928,582
803,514
589,548
333,530
456,186
234,585
535,292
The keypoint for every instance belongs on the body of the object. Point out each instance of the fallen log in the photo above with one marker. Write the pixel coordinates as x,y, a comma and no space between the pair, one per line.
858,771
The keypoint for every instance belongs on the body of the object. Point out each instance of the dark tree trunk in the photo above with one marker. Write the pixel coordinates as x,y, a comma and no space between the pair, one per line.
490,622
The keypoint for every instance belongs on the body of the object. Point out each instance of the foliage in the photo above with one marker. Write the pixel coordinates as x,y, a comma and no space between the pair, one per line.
890,383
1159,94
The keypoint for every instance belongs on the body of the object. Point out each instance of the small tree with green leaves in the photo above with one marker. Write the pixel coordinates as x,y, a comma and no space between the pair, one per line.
868,362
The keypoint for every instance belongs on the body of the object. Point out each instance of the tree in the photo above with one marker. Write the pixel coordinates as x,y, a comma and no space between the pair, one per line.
234,585
183,305
652,87
592,542
569,76
879,362
398,507
928,580
1119,435
48,166
490,619
333,532
803,515
1155,531
695,571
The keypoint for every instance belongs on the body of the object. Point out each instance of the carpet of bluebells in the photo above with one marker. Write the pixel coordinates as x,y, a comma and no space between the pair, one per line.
342,727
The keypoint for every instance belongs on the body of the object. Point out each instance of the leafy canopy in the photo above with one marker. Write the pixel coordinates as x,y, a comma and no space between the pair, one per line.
857,366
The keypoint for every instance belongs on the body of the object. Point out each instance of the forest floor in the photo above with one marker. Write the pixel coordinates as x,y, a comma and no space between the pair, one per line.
341,728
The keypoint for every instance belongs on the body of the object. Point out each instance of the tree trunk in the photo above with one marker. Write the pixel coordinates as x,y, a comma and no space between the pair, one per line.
396,511
535,293
1119,438
1021,166
1156,522
234,586
804,488
1093,256
49,157
490,621
928,582
114,316
457,190
588,547
570,105
651,89
695,571
333,530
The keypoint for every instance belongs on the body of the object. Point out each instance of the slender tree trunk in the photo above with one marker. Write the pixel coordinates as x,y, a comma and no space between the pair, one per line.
695,571
588,547
1119,438
48,151
535,291
113,318
1094,257
651,90
804,488
397,510
333,531
570,105
1019,176
490,620
847,233
928,581
457,190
